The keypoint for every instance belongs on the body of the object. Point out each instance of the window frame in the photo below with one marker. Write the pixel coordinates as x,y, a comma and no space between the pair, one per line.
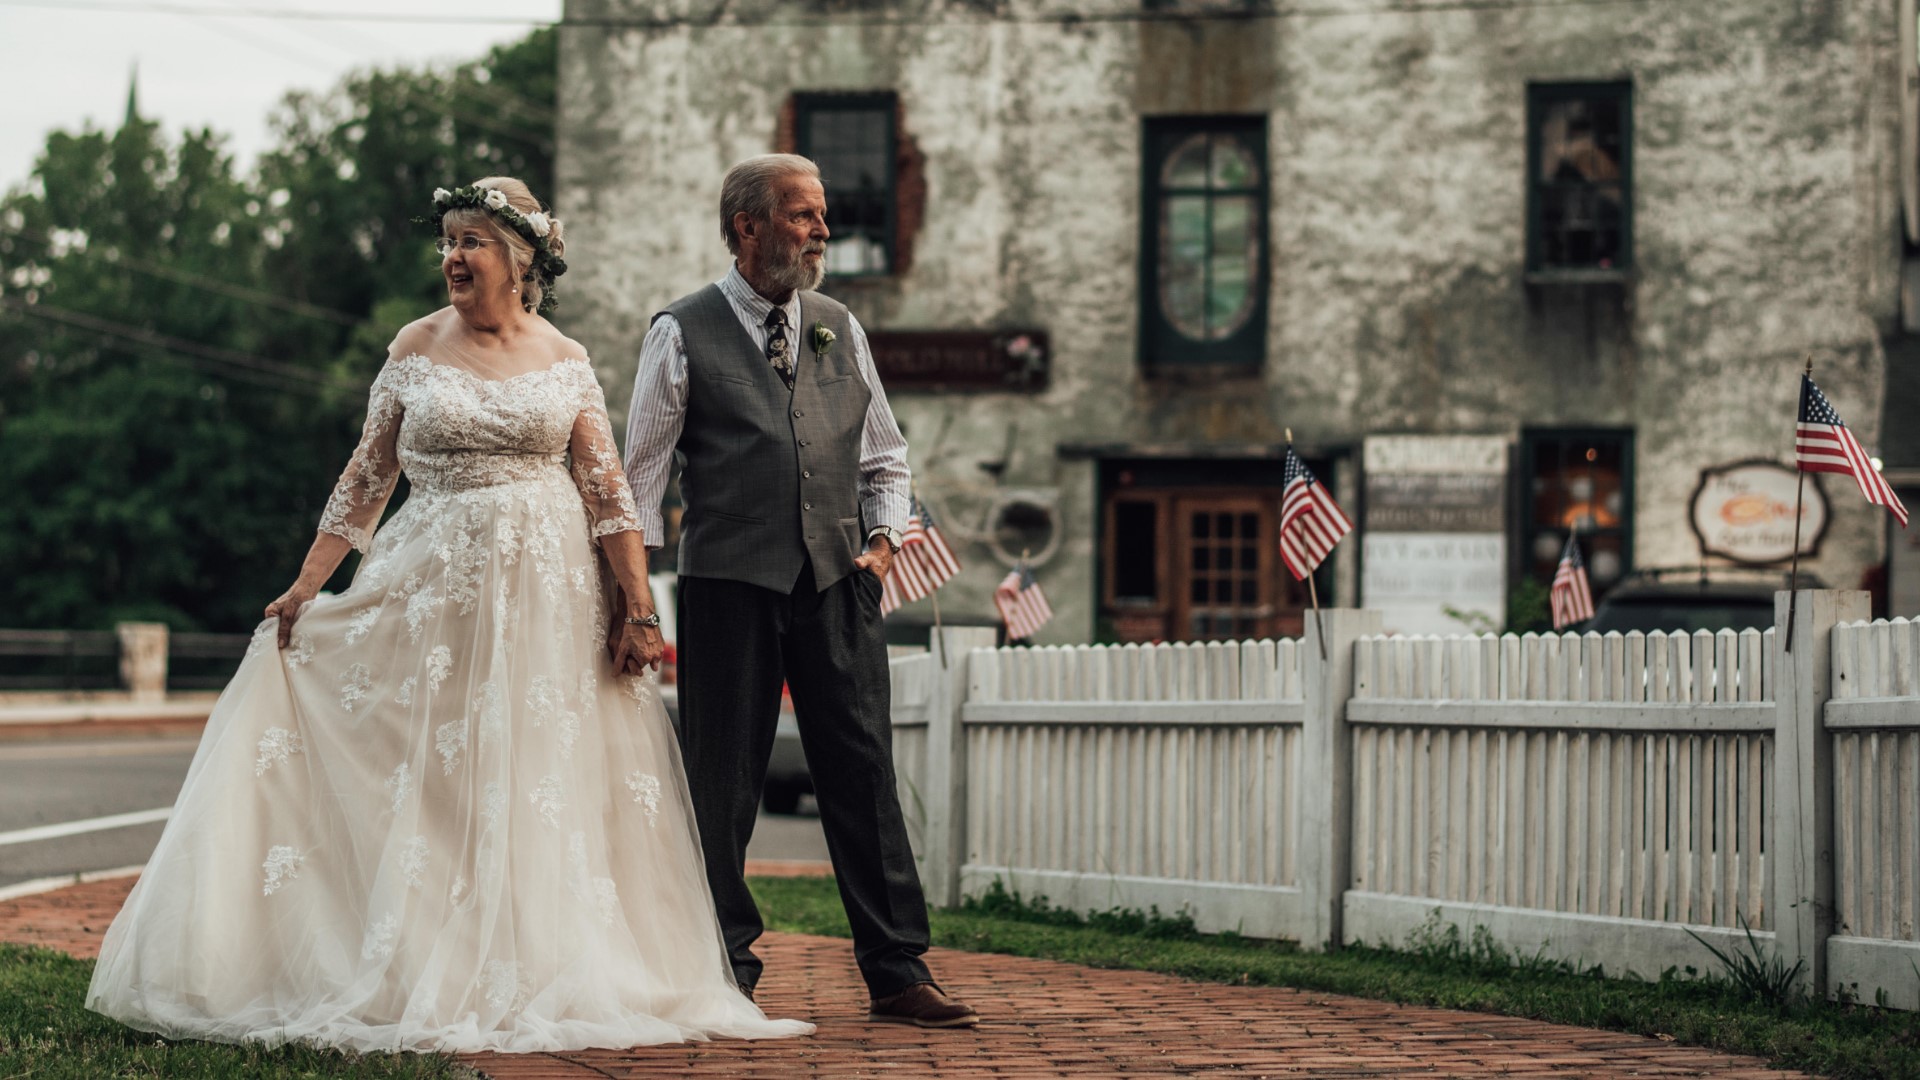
808,103
1531,439
1539,96
1163,349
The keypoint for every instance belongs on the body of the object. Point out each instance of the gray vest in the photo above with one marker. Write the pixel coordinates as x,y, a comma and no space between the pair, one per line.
769,478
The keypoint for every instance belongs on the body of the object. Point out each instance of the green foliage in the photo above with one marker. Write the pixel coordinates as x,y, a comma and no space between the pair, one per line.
184,351
1529,607
1761,976
999,902
46,1033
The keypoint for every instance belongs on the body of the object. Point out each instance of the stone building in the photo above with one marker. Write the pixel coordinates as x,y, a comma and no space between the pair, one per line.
1502,267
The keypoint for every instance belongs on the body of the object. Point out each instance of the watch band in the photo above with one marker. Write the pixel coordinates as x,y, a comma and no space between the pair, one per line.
889,533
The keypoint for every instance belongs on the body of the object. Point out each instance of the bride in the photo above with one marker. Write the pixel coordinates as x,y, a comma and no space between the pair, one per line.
436,817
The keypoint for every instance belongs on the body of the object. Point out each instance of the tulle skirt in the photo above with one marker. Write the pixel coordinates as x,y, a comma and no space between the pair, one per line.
438,821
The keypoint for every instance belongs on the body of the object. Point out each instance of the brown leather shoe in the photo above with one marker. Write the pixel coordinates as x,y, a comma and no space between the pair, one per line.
922,1005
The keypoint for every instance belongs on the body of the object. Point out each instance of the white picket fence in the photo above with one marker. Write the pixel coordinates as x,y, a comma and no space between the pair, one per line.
1582,784
1874,722
1139,776
1600,798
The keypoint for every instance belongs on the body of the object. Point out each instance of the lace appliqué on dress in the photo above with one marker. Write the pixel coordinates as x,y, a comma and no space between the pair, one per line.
399,786
450,739
276,745
280,868
413,861
354,684
548,800
380,938
646,792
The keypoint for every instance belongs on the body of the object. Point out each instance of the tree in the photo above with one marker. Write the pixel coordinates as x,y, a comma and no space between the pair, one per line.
186,351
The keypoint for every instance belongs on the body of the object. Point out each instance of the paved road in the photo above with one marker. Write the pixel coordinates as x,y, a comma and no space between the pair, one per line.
52,782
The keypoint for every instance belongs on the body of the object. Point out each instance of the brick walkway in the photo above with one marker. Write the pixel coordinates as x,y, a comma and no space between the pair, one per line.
1048,1019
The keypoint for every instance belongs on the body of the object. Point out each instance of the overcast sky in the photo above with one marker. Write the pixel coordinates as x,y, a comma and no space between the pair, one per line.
64,64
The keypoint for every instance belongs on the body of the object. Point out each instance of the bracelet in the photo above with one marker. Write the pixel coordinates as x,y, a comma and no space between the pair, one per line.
650,619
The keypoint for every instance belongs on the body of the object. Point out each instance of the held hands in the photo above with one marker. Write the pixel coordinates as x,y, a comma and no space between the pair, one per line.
288,607
879,558
634,649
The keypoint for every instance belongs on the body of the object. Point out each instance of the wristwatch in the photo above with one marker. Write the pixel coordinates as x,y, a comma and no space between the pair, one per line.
651,618
892,536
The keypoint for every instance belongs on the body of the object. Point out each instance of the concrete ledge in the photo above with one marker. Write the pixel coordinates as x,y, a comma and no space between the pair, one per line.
1639,946
1261,911
182,714
1865,966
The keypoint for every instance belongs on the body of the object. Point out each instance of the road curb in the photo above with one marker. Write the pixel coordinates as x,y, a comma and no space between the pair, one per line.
51,884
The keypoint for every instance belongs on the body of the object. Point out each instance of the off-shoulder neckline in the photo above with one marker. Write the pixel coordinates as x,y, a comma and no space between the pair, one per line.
555,366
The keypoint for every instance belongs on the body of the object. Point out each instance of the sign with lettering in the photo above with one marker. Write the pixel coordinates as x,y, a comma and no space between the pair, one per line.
1434,543
961,359
1744,512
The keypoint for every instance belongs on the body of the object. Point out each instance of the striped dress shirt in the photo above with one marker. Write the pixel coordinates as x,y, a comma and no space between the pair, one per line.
658,413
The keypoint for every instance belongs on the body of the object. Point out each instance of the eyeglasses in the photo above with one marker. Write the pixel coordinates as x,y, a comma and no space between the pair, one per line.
445,244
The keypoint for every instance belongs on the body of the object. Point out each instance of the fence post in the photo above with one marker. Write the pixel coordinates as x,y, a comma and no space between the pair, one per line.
1803,879
946,795
1326,771
143,659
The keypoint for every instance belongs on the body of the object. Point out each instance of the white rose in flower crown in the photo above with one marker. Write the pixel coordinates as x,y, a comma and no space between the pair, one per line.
538,222
441,195
496,199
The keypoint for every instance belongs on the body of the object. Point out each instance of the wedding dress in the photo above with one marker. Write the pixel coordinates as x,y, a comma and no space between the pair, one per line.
438,820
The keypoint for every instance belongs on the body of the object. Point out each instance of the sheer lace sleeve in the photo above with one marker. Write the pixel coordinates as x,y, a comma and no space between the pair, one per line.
597,470
362,493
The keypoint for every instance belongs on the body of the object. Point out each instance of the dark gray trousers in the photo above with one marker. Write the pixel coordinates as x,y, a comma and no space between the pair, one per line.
736,643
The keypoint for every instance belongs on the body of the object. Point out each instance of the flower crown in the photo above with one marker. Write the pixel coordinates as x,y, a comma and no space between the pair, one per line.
534,228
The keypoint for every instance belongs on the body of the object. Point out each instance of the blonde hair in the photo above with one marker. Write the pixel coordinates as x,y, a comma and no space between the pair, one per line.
520,197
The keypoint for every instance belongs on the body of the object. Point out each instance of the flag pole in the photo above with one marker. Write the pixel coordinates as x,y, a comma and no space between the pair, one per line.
1799,492
1313,594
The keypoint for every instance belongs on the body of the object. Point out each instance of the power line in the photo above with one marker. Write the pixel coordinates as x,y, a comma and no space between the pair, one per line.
201,281
247,362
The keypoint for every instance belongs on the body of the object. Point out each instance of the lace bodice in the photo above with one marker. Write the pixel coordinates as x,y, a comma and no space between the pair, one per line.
449,429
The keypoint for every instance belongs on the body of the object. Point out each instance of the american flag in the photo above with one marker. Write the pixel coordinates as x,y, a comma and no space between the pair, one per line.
923,563
1310,522
1823,444
1023,606
1572,596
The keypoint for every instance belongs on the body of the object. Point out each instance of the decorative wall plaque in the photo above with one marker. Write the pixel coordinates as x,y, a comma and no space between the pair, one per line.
1744,512
961,359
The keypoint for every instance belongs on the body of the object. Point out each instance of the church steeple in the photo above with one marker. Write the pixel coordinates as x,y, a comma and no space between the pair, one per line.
133,93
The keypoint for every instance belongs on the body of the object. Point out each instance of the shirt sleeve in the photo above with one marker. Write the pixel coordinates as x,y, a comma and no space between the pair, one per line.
655,419
596,464
353,511
886,483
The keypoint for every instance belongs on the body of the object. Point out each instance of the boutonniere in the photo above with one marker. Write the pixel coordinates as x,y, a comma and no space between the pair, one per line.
823,339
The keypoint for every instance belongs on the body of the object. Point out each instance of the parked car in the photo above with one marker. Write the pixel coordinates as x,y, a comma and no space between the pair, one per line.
1693,598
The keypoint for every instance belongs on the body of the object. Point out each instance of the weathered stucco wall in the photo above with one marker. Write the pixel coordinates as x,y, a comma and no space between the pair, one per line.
1765,224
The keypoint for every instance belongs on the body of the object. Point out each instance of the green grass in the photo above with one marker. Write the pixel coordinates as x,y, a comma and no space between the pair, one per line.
46,1034
1434,967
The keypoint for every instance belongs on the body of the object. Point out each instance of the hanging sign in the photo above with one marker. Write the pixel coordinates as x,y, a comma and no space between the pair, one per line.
1744,512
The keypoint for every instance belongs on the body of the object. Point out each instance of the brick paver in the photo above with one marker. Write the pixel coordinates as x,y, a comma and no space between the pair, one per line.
1044,1018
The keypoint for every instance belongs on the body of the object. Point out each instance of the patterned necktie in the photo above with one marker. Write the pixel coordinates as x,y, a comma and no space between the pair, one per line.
779,352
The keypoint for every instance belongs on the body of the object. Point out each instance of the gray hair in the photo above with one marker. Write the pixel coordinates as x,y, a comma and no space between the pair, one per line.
753,187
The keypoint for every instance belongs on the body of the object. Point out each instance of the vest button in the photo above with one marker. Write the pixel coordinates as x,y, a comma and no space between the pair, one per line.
803,442
798,412
806,506
806,474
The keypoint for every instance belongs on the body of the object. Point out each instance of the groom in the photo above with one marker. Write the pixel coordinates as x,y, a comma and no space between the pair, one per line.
794,478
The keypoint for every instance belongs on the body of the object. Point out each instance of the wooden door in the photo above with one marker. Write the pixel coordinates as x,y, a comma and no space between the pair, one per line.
1226,560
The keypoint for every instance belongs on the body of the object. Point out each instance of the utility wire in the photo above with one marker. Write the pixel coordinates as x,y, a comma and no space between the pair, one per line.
201,281
168,343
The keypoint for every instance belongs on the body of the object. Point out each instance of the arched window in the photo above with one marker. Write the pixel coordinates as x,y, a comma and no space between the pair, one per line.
1204,277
